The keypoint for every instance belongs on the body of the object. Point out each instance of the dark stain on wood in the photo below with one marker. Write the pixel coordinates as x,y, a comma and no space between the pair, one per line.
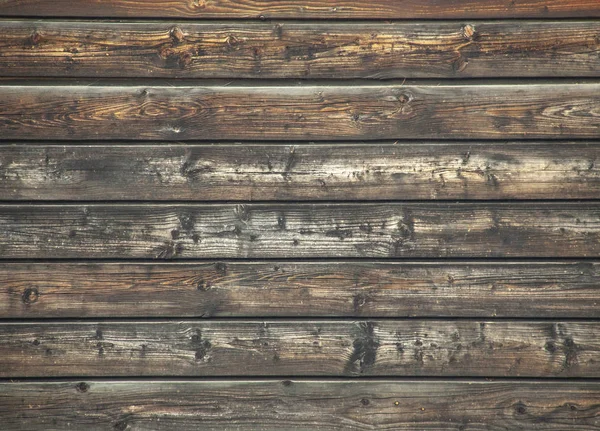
365,349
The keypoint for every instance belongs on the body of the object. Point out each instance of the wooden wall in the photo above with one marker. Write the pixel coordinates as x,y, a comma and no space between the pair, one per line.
300,214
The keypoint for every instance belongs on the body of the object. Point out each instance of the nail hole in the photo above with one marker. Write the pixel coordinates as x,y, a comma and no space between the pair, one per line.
82,387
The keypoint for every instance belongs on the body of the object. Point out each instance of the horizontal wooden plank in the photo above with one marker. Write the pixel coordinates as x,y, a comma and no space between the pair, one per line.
328,289
378,170
300,230
273,112
300,50
341,9
301,405
300,348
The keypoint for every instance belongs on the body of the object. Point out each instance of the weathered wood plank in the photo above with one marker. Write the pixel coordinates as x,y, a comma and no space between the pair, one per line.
274,112
325,9
301,405
300,230
300,50
327,289
379,170
300,348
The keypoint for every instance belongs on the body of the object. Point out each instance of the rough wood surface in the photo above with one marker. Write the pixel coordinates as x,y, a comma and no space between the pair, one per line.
221,189
328,289
301,405
322,9
246,171
300,230
288,112
300,50
301,348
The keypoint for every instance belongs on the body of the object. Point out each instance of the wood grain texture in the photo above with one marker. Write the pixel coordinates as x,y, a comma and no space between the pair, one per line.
323,9
246,171
301,405
300,50
172,231
280,112
318,289
300,348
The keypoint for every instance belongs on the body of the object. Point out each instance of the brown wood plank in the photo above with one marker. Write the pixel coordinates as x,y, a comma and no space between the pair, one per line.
301,348
276,112
301,405
373,171
323,9
317,289
300,50
171,231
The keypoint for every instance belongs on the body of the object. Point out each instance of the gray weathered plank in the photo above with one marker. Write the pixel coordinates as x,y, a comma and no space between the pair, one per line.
327,289
322,9
165,231
300,50
378,170
301,405
295,112
301,348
